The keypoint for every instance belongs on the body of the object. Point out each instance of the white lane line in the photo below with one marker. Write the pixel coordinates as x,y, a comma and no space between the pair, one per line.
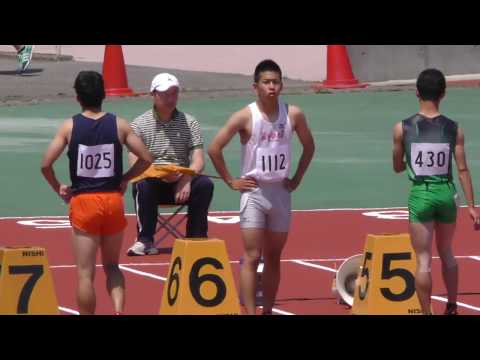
315,260
303,261
442,299
280,311
167,263
100,265
67,310
143,273
222,212
218,212
315,266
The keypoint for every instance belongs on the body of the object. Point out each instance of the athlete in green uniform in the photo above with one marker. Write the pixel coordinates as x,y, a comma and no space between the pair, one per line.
429,141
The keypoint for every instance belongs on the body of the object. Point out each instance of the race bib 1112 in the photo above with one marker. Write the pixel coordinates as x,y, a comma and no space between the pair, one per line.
273,163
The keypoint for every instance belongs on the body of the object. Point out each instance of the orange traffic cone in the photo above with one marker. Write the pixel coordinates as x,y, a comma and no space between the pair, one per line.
114,73
339,70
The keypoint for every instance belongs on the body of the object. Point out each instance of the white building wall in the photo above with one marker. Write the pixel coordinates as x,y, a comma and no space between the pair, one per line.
303,62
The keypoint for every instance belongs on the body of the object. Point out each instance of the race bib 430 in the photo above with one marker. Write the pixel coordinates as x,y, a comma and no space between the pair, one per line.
429,159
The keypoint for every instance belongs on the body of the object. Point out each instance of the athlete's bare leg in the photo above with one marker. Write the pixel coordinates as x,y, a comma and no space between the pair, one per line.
272,251
421,237
85,250
111,246
444,238
253,242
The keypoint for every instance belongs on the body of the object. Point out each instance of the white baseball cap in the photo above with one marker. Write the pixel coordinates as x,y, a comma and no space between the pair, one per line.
163,82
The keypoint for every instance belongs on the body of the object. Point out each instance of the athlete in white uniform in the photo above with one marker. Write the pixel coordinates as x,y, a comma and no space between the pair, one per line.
265,128
266,158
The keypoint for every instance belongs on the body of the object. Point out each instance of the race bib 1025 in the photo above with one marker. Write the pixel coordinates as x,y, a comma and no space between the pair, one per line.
429,159
96,161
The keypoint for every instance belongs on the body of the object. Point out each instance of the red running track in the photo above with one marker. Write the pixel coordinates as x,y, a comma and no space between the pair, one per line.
319,242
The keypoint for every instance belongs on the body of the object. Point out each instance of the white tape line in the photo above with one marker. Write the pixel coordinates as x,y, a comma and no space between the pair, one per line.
280,311
315,266
442,299
302,261
143,273
67,310
218,212
100,265
167,263
225,212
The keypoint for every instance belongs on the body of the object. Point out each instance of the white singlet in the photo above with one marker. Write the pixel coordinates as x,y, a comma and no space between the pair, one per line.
267,155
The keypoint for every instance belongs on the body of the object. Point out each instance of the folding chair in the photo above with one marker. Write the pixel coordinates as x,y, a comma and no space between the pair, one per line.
167,225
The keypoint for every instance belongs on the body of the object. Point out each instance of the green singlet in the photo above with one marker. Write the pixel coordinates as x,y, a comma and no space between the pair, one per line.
429,144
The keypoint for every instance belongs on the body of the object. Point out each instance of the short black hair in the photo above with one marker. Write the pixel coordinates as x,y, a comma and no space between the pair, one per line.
266,65
431,85
90,88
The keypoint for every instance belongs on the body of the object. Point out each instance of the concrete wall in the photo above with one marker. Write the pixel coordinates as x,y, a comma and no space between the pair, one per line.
301,62
401,62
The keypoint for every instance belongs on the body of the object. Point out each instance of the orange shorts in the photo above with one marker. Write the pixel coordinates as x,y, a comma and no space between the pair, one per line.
98,213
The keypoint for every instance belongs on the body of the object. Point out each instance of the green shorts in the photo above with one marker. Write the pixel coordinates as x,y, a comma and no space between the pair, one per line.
433,202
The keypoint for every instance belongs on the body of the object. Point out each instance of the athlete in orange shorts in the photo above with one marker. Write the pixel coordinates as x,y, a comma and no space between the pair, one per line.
95,141
98,213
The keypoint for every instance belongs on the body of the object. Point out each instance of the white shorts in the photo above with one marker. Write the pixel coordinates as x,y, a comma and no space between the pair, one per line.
267,207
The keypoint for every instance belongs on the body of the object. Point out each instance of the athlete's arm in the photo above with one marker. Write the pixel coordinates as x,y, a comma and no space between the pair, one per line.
464,175
306,139
398,150
143,158
236,124
54,150
131,158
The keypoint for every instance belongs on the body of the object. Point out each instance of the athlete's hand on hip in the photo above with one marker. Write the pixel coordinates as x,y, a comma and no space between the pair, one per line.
123,186
290,184
475,217
65,192
243,184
